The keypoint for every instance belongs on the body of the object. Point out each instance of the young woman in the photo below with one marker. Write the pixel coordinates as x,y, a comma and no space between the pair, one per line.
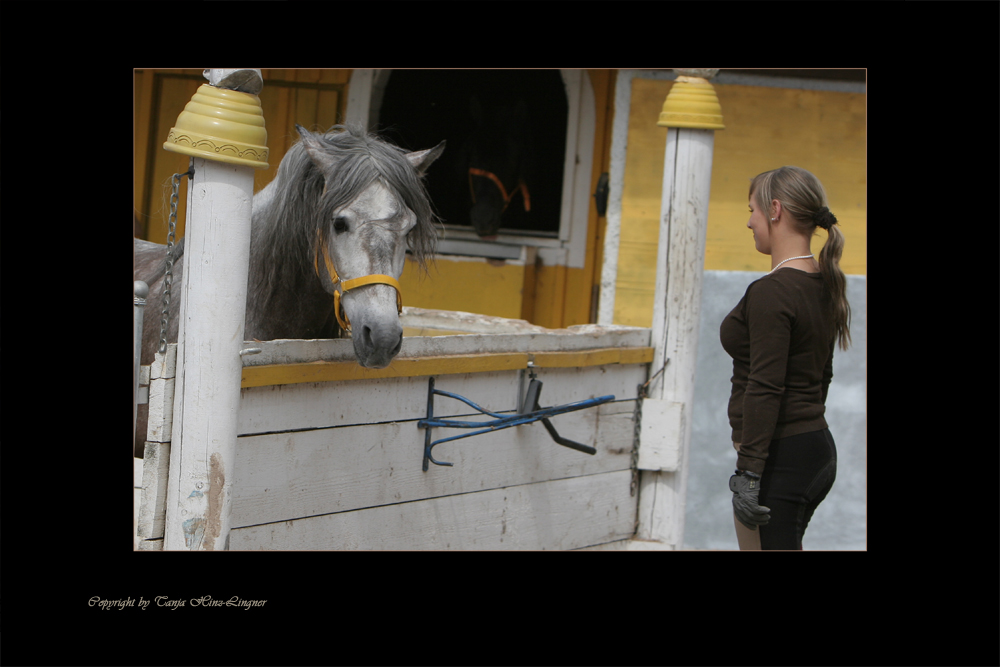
781,337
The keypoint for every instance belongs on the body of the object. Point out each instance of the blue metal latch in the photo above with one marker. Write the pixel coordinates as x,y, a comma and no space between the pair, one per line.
530,412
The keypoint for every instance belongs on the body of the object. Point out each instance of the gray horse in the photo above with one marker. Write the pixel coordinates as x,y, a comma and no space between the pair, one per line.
328,242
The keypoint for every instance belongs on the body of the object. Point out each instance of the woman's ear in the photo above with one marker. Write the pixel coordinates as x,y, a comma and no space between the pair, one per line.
775,210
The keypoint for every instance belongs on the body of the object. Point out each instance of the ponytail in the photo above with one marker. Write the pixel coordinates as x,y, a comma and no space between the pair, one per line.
802,195
836,283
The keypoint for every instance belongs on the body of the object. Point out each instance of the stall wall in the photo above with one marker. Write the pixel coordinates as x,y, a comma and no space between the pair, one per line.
320,467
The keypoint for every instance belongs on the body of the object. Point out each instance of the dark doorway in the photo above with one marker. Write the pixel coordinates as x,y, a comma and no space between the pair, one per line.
511,123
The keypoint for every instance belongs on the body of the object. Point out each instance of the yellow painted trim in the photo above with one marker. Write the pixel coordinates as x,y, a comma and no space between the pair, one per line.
637,355
339,371
335,371
610,355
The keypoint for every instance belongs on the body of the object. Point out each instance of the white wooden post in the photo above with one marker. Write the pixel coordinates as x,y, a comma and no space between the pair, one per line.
692,114
223,131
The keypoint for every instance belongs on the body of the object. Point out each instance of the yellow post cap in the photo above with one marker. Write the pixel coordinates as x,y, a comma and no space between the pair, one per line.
223,125
692,103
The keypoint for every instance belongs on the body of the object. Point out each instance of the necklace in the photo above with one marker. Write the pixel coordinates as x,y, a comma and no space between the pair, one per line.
788,260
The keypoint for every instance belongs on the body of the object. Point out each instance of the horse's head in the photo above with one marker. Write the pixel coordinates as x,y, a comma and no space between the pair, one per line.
366,219
496,166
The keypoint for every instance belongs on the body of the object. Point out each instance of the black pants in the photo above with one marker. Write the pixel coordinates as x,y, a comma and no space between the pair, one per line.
799,472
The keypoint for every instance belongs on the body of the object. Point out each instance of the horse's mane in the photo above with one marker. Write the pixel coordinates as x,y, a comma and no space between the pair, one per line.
286,214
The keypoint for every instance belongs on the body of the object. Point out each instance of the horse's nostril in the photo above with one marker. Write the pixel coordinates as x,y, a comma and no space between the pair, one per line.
366,336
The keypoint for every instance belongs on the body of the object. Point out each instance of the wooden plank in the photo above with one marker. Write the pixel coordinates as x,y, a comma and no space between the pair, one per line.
661,435
334,371
164,365
636,355
577,358
554,515
160,397
321,405
159,426
325,404
501,336
570,384
285,476
410,332
337,371
153,508
136,499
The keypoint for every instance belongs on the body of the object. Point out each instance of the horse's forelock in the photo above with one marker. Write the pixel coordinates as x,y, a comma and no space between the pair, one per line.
365,158
357,160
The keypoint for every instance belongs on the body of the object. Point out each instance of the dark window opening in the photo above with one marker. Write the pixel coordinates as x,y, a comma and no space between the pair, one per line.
506,134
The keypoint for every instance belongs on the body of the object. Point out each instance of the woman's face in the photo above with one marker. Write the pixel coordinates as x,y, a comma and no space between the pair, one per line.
758,224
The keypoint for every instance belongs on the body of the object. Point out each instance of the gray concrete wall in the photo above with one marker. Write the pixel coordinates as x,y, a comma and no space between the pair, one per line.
840,522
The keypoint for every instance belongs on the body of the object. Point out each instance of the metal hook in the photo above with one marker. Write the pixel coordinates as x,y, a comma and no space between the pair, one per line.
531,406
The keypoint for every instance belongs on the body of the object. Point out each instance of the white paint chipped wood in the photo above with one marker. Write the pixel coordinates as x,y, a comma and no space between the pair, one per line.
553,515
338,465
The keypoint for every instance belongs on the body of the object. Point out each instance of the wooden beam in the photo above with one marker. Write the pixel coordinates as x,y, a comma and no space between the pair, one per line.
338,371
600,357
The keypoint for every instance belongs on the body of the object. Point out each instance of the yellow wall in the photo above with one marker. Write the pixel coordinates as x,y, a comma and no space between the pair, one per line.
822,131
470,284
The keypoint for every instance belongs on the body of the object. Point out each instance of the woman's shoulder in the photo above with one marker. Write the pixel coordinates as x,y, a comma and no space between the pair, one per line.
778,288
784,278
767,283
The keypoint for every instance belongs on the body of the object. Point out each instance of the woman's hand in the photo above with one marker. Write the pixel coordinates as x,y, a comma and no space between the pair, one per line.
745,486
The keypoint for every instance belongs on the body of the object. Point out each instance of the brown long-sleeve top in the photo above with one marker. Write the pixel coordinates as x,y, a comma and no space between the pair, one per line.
781,337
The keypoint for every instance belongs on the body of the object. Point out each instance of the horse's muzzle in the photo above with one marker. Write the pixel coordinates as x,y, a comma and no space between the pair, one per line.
376,345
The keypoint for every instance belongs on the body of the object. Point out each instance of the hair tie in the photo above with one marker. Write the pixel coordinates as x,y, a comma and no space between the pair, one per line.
824,218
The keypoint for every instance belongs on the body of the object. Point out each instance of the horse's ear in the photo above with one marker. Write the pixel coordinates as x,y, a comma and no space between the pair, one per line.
421,160
303,132
315,148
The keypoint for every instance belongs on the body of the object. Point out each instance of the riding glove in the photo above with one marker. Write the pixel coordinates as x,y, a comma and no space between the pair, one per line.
745,486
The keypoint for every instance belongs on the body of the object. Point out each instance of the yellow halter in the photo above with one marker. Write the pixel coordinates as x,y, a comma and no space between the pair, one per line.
347,285
521,187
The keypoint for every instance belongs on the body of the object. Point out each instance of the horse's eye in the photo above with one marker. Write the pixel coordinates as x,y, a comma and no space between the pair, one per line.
340,225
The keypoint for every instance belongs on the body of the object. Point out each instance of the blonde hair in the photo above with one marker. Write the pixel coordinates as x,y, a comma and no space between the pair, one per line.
803,196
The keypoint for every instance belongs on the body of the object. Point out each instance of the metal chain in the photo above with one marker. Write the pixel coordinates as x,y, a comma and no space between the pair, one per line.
641,393
168,277
637,419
